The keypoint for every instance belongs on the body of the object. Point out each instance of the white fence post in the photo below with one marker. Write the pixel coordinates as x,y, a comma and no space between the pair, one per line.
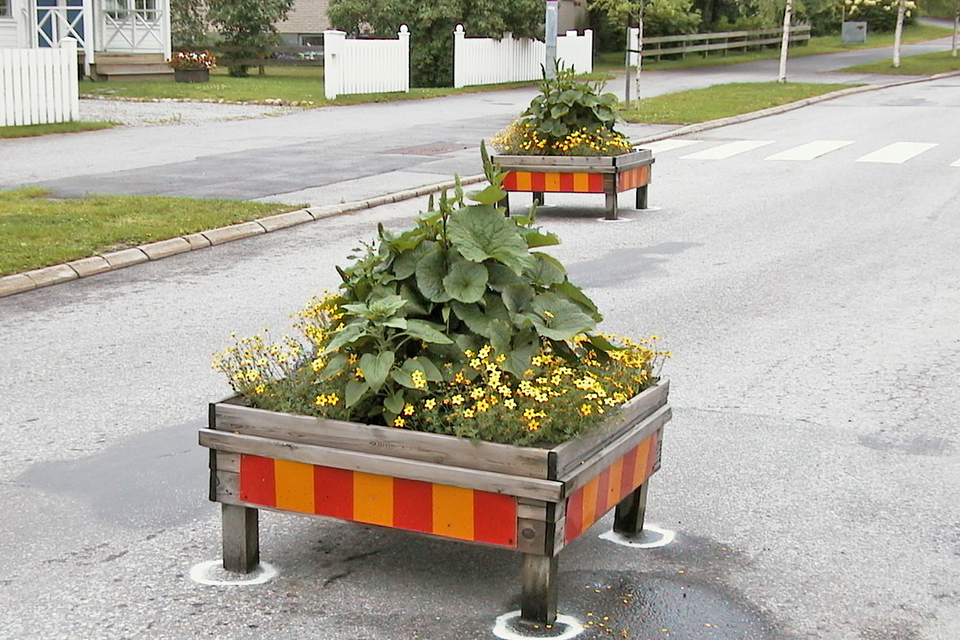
333,45
404,36
39,86
459,57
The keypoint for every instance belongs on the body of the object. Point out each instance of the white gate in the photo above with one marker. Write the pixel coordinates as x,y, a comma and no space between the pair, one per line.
365,66
134,26
39,86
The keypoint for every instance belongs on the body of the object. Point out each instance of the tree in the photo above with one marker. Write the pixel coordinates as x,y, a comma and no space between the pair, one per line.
188,26
431,27
946,8
247,25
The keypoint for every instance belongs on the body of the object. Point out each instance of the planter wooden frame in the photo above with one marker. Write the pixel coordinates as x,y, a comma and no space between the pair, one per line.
191,75
532,500
609,175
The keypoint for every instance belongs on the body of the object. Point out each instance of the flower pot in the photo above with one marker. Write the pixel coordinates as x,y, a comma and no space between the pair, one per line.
191,75
609,175
529,499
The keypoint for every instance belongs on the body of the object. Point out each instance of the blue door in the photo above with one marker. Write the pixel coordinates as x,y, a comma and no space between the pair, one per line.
58,19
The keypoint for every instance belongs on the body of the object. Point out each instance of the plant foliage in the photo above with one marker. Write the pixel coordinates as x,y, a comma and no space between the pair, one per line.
247,26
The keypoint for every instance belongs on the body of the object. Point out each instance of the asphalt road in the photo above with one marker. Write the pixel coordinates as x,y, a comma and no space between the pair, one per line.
811,473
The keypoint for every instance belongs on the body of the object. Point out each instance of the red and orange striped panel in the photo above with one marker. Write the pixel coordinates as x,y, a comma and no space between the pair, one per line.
633,178
440,509
587,504
553,182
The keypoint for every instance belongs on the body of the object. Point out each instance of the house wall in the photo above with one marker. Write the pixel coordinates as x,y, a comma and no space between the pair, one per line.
9,30
307,16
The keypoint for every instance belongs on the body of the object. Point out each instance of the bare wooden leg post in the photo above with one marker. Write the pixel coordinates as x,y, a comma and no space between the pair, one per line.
628,518
538,599
538,198
505,203
612,206
642,197
241,539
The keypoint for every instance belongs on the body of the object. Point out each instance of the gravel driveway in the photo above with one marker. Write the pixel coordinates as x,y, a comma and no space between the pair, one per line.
172,111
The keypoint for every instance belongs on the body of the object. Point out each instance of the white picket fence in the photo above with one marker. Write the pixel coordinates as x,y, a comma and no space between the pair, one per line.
489,61
39,86
365,66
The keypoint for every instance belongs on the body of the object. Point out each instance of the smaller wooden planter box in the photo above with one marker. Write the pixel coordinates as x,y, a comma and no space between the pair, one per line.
532,500
609,175
191,75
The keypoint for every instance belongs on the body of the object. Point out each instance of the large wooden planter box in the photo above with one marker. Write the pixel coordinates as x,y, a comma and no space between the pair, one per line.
609,175
532,500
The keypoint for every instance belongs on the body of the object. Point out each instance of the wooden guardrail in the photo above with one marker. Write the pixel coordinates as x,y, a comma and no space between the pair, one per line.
721,41
280,56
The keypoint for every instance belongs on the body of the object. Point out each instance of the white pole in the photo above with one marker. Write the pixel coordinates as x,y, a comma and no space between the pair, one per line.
785,42
629,65
956,29
639,58
551,38
898,35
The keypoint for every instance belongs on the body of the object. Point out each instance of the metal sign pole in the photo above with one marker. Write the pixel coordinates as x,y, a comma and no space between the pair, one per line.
551,38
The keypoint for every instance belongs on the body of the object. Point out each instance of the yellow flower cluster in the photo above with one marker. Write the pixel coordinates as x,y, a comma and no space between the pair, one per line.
251,365
522,138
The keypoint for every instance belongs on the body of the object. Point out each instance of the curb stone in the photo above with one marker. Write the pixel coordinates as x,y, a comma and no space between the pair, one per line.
84,267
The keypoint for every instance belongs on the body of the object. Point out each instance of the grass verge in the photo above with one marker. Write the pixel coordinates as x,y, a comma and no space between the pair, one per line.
613,62
927,64
37,231
722,100
30,130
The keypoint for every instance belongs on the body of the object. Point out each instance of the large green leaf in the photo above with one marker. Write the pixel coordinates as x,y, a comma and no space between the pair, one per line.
500,276
535,238
473,316
559,319
354,391
492,195
431,269
347,335
376,368
501,332
466,281
517,297
518,360
394,402
333,367
481,232
406,263
427,331
576,294
546,270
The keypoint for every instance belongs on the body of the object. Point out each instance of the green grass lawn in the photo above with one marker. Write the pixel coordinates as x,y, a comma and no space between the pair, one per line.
927,64
613,62
29,130
722,100
37,231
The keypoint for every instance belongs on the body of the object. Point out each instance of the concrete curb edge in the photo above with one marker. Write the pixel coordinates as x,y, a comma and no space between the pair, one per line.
93,265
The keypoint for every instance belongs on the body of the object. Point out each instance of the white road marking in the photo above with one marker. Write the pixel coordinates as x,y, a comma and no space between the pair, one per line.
811,150
728,150
956,164
501,630
897,153
660,146
666,537
212,572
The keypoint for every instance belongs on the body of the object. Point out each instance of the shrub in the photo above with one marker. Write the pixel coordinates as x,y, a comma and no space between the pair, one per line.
248,27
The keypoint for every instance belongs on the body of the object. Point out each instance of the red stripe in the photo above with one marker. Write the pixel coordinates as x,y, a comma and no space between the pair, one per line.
538,182
595,182
629,469
645,176
574,524
510,181
602,492
494,518
566,182
413,505
333,492
653,463
257,482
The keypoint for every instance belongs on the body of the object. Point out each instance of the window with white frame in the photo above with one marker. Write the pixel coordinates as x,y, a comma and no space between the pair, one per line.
5,8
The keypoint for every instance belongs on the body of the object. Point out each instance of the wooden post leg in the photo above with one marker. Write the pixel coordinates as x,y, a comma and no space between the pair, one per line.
628,518
642,196
241,539
505,203
538,599
538,198
612,205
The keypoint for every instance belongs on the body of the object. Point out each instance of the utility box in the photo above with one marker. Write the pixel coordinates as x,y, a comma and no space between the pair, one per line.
854,32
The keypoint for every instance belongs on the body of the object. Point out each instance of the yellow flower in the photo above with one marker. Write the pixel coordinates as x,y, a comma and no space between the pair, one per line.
430,403
399,422
468,413
408,410
457,399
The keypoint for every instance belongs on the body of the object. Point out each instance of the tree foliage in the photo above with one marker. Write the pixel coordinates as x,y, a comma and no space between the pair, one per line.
431,27
249,25
188,26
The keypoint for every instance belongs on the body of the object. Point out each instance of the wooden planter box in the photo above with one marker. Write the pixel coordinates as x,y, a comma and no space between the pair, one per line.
191,75
532,500
609,175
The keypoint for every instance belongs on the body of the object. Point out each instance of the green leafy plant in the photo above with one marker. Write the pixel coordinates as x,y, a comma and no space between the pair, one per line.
459,325
247,27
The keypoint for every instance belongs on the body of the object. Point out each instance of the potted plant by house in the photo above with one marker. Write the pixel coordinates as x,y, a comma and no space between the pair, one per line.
453,386
565,142
192,66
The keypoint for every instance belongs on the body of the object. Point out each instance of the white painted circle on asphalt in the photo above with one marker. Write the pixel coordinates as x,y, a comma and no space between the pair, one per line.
212,572
502,630
666,537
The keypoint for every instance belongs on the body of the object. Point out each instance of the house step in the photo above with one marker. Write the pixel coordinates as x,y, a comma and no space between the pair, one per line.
133,69
129,58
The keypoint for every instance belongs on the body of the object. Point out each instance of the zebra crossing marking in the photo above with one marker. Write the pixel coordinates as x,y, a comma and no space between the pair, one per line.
956,164
669,144
810,150
897,153
727,150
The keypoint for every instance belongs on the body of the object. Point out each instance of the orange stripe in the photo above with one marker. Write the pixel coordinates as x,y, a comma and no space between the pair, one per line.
589,503
613,491
581,182
522,181
373,498
294,485
453,511
551,182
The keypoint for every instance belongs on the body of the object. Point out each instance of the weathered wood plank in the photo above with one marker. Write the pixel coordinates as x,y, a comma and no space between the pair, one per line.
388,441
538,596
540,510
606,456
241,538
628,518
227,485
575,453
228,462
383,465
